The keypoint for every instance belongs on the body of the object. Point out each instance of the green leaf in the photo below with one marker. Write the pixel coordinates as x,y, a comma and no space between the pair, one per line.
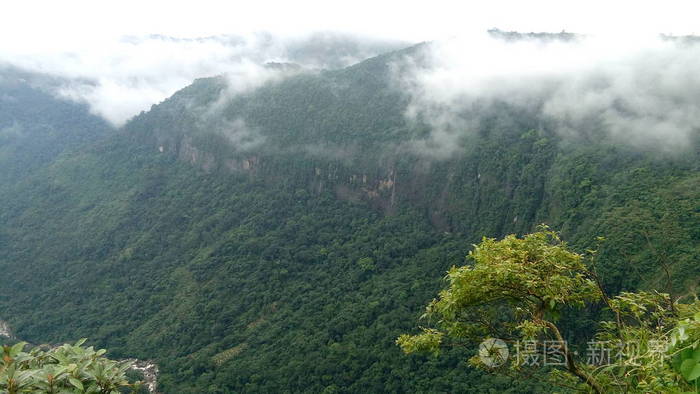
682,336
690,369
676,361
17,348
77,383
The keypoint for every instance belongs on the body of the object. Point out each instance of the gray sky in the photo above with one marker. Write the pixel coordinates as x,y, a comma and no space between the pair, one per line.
36,25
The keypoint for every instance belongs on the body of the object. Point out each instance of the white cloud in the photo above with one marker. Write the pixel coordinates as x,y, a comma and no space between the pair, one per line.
240,135
642,91
123,76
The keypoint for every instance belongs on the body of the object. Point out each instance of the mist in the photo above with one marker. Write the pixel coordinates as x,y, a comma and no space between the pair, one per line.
119,78
638,90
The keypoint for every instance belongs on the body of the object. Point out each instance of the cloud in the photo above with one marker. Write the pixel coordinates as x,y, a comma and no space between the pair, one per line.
639,90
240,135
119,78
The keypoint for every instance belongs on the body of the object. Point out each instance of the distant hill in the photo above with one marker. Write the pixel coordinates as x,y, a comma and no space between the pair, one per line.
36,126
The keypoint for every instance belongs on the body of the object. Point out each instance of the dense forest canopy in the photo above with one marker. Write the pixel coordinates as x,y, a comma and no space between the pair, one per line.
279,238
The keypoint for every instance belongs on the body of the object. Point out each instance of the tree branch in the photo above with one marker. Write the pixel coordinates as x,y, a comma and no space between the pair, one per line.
571,365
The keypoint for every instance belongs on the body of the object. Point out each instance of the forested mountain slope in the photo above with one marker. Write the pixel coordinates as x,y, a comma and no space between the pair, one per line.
36,126
278,240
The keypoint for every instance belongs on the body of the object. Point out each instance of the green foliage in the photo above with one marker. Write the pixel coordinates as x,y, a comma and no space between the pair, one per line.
36,127
366,264
428,341
685,348
645,322
516,289
246,268
523,278
63,369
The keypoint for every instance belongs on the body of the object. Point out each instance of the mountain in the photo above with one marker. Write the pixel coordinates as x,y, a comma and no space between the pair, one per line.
280,239
36,126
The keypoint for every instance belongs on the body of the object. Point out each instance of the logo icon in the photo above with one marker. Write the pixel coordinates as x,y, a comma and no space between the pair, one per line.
493,352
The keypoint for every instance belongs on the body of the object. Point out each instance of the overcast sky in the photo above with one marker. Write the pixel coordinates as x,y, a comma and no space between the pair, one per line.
35,25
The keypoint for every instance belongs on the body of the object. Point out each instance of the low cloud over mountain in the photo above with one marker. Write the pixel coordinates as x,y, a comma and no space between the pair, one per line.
639,90
120,78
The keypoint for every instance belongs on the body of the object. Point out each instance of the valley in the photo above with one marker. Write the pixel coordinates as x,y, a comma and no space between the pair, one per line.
281,239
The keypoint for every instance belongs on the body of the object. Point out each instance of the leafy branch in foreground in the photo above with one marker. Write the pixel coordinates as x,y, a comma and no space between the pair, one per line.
516,290
64,369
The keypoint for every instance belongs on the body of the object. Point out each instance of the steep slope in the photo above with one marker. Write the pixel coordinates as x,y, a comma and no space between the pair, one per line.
347,131
280,239
229,283
36,126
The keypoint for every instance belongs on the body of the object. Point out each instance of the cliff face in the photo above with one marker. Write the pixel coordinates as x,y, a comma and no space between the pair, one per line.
347,132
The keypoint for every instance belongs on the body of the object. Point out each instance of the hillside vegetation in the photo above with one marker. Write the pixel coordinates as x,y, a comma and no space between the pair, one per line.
280,240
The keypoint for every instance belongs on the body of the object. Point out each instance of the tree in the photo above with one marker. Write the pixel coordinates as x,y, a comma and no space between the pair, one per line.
517,289
63,369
